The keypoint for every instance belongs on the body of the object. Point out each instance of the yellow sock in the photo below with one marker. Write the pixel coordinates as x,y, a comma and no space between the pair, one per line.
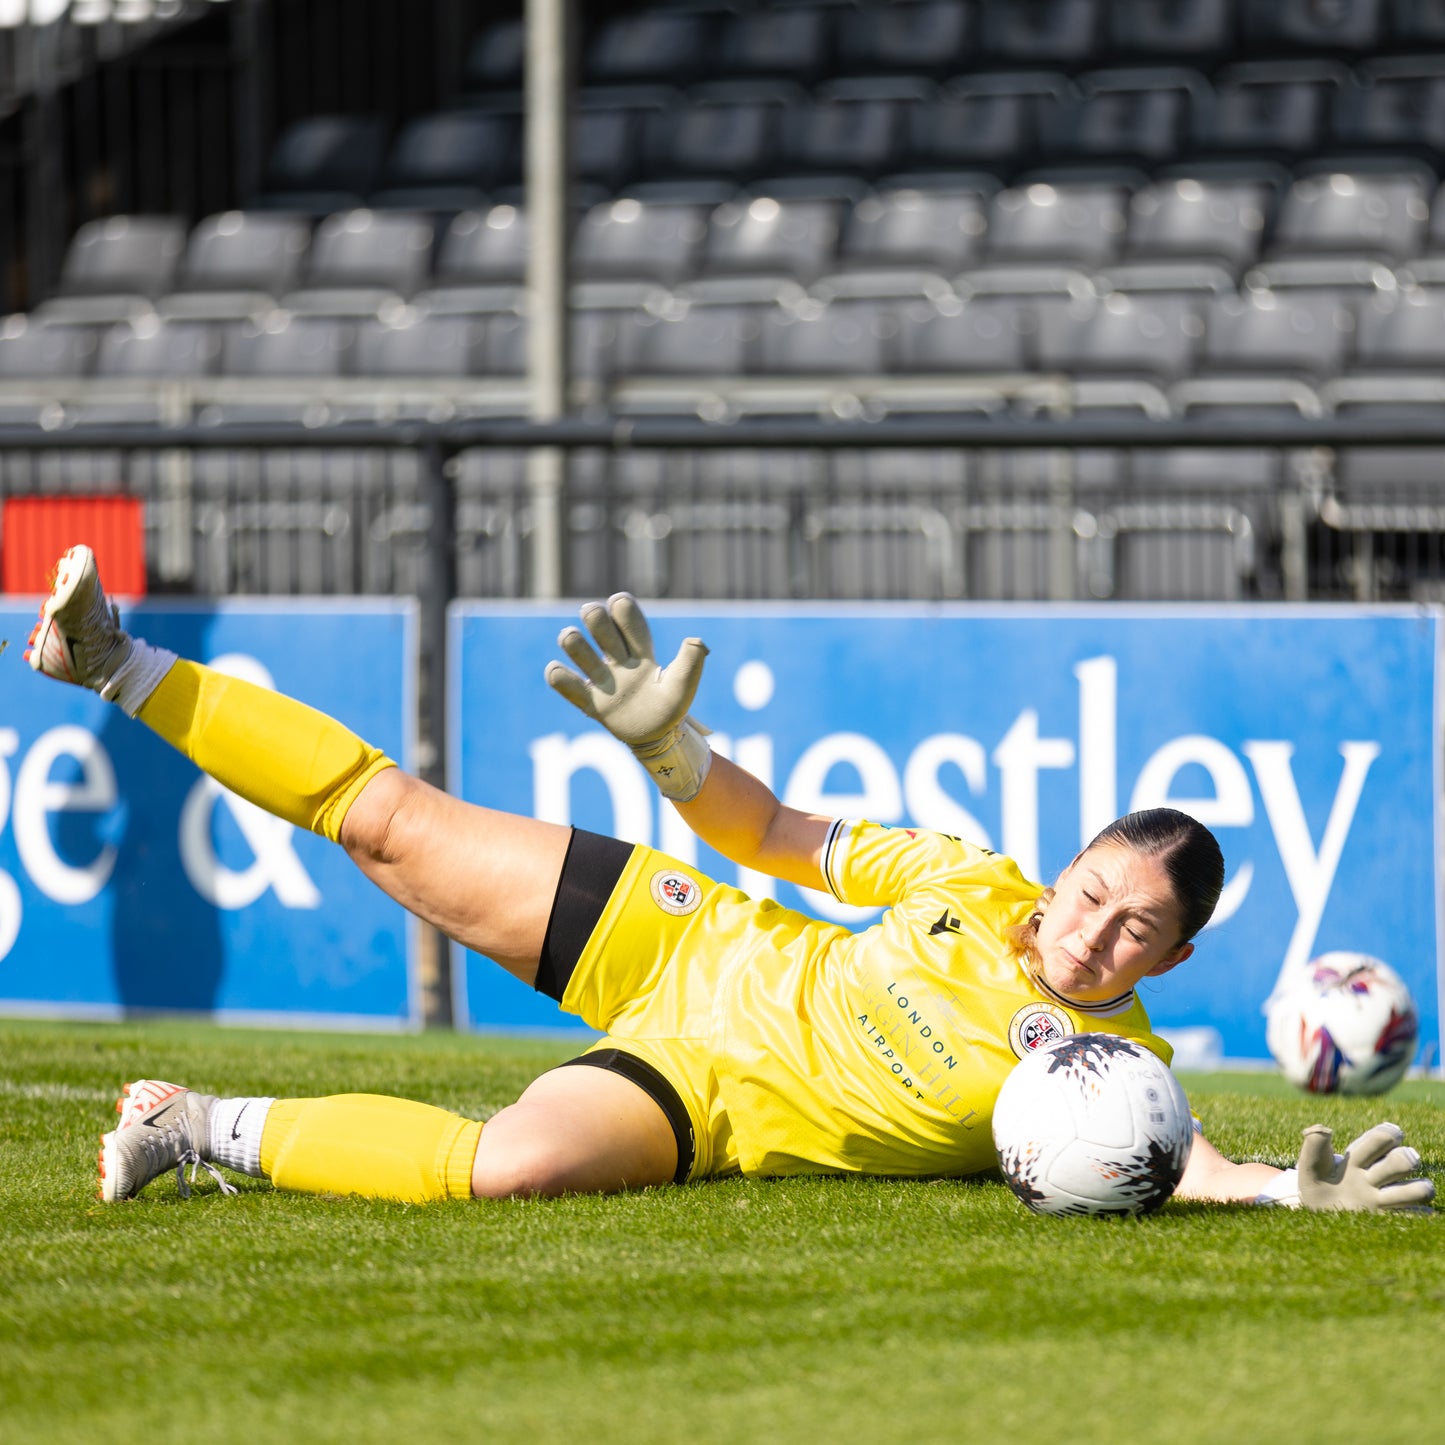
369,1144
273,751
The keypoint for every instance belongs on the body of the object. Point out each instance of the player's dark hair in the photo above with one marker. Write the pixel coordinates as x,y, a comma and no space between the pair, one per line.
1187,849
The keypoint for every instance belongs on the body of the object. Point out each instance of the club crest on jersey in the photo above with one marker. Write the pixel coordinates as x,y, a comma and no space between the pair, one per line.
675,892
1035,1025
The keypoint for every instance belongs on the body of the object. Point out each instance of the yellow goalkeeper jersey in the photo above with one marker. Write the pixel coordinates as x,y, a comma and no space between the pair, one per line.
883,1051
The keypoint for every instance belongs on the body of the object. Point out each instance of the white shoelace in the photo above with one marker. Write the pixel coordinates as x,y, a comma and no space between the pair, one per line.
196,1162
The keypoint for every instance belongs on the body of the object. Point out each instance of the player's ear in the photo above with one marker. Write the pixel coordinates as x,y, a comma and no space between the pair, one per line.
1172,960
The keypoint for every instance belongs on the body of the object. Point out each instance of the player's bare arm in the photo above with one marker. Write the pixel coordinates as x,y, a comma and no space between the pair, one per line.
619,683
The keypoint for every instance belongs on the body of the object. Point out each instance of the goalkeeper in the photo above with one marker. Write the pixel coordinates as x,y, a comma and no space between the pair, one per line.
738,1036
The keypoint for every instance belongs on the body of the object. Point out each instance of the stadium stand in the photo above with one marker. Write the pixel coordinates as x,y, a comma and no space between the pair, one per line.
1221,209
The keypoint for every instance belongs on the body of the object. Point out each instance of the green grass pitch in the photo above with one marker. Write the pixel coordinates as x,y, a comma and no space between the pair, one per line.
793,1310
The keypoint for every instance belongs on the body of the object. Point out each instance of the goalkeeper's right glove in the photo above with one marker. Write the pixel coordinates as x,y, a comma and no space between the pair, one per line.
1377,1172
638,702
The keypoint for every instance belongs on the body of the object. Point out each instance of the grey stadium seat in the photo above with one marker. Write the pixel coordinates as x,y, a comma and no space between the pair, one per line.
1295,332
942,229
845,338
416,344
324,163
986,334
363,260
1397,105
654,46
481,261
851,128
1198,33
1402,331
450,161
725,134
594,343
1065,33
31,350
696,340
236,264
630,239
1293,26
152,347
990,121
910,37
772,238
1082,222
1362,212
116,267
1269,109
287,346
1153,335
793,44
1199,218
494,61
1142,116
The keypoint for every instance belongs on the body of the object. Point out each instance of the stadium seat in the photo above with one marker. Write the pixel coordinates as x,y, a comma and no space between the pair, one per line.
1306,333
1048,238
848,338
1180,551
989,334
1154,336
608,129
988,121
852,129
324,163
719,341
494,62
152,347
115,268
658,47
281,345
632,240
237,264
1269,110
1063,33
1417,24
450,161
1307,26
481,262
30,350
593,348
1338,228
876,547
1125,117
727,134
1396,106
362,262
793,45
417,344
1200,33
1402,331
1427,267
771,243
901,241
912,37
1199,218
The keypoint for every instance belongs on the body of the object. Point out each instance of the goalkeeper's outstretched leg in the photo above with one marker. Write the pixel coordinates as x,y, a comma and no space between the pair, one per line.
487,879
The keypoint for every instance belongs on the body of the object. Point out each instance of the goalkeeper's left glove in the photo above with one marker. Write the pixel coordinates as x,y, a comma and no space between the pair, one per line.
1377,1172
638,702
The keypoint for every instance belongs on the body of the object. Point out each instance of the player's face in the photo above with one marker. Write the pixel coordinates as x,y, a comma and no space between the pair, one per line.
1113,920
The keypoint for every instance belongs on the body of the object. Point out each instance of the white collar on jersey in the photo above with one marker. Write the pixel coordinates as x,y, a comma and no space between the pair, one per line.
1103,1008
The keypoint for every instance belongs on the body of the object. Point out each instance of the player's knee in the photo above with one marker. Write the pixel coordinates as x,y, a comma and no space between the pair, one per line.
519,1169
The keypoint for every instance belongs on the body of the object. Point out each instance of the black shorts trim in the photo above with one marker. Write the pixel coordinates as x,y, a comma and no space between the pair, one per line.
656,1087
590,873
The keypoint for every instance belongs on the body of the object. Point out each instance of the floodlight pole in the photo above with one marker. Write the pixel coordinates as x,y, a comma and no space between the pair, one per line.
548,177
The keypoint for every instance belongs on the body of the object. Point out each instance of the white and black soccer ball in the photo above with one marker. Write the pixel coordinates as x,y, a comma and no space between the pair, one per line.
1348,1025
1092,1124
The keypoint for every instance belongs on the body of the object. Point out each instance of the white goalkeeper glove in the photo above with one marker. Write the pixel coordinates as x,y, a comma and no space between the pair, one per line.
638,702
1377,1172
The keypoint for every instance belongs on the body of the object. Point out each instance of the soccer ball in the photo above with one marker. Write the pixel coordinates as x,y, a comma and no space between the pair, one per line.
1092,1124
1348,1026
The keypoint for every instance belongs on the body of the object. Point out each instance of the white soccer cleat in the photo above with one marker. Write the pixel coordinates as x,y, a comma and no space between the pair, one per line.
78,638
162,1126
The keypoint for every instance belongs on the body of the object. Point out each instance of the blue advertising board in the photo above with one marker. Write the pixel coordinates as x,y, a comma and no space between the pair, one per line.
1308,740
131,883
